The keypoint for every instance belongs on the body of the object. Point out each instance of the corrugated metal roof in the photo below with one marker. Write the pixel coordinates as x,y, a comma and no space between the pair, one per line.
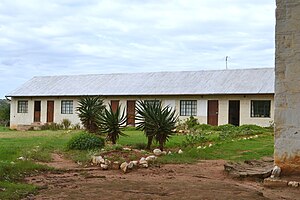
237,81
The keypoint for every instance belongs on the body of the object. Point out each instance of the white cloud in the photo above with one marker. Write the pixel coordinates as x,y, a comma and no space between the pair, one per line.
78,37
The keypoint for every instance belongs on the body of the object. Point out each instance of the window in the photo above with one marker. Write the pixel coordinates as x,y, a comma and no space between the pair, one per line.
67,107
22,106
260,108
188,108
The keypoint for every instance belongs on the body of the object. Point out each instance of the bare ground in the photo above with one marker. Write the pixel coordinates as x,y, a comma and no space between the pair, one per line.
204,180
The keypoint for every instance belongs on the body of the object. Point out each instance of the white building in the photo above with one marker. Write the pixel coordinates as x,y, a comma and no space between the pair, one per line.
216,97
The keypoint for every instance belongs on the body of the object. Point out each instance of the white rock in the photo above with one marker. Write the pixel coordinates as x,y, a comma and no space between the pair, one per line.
163,153
142,159
204,147
157,152
293,184
21,158
104,166
151,158
130,165
98,160
142,162
126,149
180,151
210,145
135,163
144,165
107,162
124,166
200,147
276,172
169,152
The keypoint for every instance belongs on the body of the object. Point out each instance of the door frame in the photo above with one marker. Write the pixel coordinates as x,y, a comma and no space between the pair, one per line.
230,113
50,113
37,111
213,119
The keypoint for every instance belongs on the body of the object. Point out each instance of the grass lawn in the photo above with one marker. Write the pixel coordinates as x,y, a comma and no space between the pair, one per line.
37,145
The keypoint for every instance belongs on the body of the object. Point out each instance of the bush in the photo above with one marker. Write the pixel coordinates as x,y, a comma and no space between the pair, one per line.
191,122
52,126
203,127
193,139
85,141
140,145
66,123
251,129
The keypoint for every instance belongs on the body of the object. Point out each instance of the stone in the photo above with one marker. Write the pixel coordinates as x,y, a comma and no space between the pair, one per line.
180,151
135,163
143,162
124,166
293,184
130,165
276,172
157,152
169,152
98,160
107,162
151,158
21,158
142,159
126,149
104,166
163,153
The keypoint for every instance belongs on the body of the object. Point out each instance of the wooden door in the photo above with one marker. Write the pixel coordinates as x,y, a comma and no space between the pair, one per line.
50,111
114,105
234,113
131,113
37,111
213,112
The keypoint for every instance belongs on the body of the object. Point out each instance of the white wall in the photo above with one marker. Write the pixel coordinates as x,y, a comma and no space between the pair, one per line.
174,101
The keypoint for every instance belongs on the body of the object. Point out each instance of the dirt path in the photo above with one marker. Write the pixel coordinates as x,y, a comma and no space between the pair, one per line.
204,180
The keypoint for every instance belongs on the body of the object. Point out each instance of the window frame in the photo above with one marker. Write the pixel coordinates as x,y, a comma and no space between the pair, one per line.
22,108
67,107
260,112
188,109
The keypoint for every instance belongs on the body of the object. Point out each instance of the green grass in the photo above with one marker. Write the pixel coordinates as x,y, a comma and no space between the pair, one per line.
37,146
239,150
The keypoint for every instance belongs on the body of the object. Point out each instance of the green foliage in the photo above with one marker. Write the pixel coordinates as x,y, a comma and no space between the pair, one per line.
129,128
203,127
191,122
112,122
85,141
139,145
156,121
4,112
251,129
66,123
193,139
75,126
90,110
52,126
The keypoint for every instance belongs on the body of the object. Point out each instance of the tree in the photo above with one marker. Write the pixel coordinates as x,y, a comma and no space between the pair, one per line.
89,111
145,114
4,112
112,123
156,121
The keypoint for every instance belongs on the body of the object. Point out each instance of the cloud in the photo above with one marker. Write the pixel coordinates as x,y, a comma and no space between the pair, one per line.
84,37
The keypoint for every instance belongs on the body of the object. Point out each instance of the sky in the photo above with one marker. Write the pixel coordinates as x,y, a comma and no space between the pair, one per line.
66,37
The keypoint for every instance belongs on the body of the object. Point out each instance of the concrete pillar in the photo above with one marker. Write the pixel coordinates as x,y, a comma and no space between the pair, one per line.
287,86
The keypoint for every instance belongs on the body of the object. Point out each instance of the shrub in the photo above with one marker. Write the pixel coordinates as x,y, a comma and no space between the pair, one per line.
85,141
251,129
226,127
76,126
203,127
191,122
52,126
66,123
192,139
139,145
